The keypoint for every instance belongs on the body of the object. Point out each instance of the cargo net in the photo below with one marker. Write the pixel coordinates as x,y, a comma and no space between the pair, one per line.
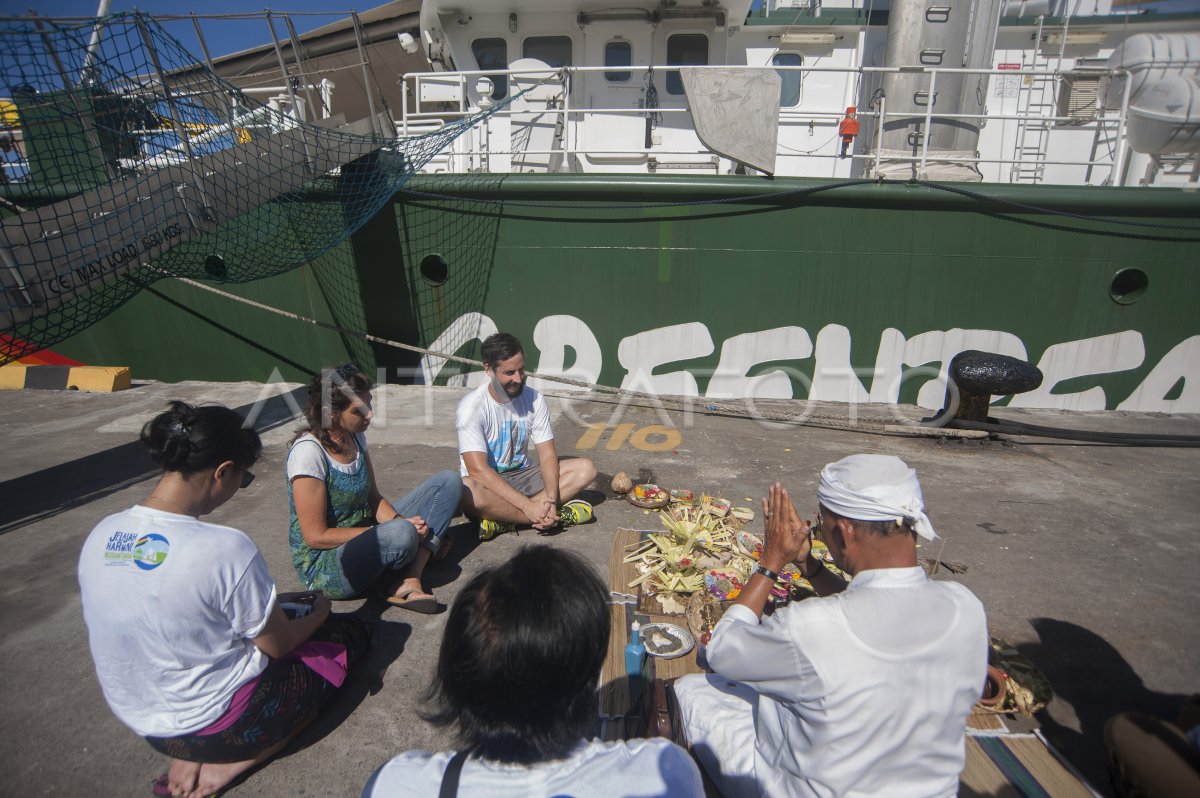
124,160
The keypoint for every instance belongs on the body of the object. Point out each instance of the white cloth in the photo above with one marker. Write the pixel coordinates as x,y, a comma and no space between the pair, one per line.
875,487
170,604
502,430
314,461
654,768
863,693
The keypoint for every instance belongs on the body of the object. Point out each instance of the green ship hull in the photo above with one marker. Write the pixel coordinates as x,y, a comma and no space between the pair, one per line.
722,286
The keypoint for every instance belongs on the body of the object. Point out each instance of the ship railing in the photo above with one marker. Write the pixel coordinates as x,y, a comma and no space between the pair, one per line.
459,90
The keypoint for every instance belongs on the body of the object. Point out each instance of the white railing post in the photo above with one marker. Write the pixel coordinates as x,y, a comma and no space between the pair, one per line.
879,133
1118,173
928,122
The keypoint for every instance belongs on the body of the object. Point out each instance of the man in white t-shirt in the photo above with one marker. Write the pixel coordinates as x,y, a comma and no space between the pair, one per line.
864,691
502,485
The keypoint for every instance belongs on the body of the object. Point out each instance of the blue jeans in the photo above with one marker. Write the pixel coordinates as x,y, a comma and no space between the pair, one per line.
393,544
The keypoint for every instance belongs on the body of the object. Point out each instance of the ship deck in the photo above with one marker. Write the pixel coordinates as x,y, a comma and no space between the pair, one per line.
1086,557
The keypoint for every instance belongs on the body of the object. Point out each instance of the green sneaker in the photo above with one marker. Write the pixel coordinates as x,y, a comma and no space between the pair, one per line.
490,529
576,511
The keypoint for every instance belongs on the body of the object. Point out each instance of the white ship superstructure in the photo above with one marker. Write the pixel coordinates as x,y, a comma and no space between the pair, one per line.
1078,93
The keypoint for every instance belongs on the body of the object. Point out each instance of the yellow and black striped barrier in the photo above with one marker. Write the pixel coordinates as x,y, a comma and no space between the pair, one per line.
17,376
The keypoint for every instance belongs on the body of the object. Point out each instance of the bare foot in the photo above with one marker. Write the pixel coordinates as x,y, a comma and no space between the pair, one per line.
215,776
182,776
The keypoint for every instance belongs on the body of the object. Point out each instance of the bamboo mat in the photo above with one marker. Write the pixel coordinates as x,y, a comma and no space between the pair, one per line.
622,573
615,702
1017,766
986,722
614,686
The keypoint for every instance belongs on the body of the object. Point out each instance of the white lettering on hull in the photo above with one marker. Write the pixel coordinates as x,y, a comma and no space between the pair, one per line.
924,356
640,354
466,328
1178,364
1103,354
552,336
741,353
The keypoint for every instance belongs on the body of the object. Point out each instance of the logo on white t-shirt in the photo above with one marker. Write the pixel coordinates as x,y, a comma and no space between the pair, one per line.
146,552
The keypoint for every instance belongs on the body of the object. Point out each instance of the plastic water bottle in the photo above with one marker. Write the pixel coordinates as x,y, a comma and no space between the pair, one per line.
635,659
635,652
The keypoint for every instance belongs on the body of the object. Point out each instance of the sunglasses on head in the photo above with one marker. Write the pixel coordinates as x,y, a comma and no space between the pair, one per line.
346,371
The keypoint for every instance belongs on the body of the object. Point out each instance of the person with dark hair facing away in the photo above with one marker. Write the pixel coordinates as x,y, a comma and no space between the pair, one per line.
863,691
193,648
516,678
344,534
502,486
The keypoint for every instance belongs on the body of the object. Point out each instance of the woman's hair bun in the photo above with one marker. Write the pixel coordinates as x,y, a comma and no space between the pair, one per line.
187,438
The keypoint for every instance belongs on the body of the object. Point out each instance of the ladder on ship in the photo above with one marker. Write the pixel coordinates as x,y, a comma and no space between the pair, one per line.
1104,144
1037,105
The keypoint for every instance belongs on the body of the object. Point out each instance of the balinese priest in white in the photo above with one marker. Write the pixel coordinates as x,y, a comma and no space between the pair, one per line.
863,691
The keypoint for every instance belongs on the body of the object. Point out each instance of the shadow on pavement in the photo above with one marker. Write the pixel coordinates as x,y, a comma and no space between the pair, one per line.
57,489
1090,675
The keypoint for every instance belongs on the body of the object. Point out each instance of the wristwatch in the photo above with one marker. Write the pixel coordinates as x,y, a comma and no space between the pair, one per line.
767,572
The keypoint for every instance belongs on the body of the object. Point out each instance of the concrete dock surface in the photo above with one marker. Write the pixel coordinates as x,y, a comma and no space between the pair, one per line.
1087,558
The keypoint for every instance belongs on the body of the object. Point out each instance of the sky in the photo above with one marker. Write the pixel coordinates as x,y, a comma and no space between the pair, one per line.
222,36
226,36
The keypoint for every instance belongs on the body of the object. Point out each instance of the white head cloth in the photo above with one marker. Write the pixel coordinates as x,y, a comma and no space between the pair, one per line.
875,487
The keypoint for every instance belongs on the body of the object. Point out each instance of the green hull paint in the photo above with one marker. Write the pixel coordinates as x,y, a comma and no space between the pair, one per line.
866,257
213,338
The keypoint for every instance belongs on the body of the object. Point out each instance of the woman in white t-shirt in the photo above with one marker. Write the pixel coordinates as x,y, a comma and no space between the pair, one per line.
193,649
345,537
516,677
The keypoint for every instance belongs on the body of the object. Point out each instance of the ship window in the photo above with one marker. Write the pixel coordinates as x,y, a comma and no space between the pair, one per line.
1128,286
618,54
434,269
493,54
684,49
789,79
553,51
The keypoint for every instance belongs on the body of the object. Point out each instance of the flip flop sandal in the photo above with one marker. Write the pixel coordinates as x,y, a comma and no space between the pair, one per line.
443,550
427,605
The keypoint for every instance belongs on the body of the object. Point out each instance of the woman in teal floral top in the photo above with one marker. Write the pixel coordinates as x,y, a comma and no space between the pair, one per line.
344,534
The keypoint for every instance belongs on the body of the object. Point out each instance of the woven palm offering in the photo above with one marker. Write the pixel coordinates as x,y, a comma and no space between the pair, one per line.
704,550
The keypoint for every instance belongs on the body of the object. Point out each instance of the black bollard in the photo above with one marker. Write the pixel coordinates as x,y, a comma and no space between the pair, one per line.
981,375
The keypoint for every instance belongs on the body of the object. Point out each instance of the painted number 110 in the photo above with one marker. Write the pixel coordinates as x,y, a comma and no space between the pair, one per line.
651,438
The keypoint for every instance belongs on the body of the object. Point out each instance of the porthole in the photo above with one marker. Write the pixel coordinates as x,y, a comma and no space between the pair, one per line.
1128,286
434,269
214,267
